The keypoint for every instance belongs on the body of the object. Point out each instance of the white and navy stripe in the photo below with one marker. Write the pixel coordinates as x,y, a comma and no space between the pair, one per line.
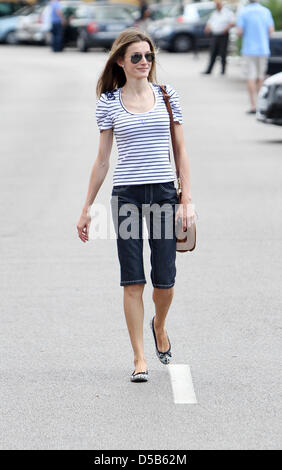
143,139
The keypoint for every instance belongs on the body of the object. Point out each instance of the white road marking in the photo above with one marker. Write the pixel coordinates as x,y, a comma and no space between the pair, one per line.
182,384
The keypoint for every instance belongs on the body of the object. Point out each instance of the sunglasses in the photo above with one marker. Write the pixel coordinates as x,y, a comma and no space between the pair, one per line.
135,58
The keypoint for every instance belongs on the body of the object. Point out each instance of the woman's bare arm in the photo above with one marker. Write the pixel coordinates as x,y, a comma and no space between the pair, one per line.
182,164
98,174
186,209
100,168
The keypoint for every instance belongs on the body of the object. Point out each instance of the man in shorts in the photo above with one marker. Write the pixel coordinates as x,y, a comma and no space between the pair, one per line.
255,25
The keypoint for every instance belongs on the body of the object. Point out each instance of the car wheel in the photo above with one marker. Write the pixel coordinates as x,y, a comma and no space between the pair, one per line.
11,38
81,44
182,43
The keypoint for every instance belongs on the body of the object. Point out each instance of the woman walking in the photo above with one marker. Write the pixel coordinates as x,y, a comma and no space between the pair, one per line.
131,107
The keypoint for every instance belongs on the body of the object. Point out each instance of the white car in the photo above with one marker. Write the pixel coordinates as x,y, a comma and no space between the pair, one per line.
29,26
269,104
35,28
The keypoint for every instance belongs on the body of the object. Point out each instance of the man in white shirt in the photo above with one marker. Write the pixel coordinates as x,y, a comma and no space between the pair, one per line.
219,24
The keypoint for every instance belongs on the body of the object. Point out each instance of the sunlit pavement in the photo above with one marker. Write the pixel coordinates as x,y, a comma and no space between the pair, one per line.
65,352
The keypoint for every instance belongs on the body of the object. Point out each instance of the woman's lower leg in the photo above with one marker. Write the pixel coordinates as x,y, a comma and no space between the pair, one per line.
162,299
134,314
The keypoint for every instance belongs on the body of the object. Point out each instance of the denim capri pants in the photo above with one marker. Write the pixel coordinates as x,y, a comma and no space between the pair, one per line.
156,203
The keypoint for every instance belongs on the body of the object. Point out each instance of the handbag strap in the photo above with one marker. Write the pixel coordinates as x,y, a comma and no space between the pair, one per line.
169,110
172,132
174,147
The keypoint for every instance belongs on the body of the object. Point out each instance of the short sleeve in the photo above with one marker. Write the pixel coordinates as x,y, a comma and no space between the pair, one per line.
174,103
103,116
240,20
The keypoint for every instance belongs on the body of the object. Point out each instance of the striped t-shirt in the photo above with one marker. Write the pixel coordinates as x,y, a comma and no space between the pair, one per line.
143,139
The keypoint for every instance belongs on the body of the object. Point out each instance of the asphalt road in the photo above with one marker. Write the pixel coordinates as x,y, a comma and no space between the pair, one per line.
65,352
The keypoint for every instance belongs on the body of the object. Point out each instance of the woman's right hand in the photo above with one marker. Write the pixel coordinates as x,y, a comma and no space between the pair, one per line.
83,227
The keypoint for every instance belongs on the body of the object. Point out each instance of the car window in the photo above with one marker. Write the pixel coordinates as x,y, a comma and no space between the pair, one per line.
174,11
37,9
103,13
23,11
5,9
69,11
204,13
109,13
276,46
85,12
191,13
165,10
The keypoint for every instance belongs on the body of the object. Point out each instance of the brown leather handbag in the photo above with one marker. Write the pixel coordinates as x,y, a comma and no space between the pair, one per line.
185,240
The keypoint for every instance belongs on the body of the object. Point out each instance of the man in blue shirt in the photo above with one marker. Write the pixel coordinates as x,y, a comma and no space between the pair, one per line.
255,25
57,21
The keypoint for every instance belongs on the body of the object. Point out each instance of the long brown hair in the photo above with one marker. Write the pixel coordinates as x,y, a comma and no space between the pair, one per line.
113,75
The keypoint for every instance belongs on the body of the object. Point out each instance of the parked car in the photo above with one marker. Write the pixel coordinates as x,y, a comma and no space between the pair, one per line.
9,25
31,27
275,58
269,103
89,24
179,31
182,27
34,28
99,24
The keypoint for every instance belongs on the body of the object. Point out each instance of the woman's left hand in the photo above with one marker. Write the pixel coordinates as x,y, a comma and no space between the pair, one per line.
186,212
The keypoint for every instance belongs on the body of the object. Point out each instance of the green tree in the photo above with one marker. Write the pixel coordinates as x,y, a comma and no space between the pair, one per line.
275,6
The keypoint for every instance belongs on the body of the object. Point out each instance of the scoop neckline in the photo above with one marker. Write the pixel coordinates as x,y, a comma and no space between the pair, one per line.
144,112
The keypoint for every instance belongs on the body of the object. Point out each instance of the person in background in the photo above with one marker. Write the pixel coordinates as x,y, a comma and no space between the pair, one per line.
143,10
57,25
144,19
143,23
219,24
255,24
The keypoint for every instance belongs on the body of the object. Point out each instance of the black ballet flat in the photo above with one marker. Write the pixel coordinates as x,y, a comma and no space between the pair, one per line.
139,377
164,357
